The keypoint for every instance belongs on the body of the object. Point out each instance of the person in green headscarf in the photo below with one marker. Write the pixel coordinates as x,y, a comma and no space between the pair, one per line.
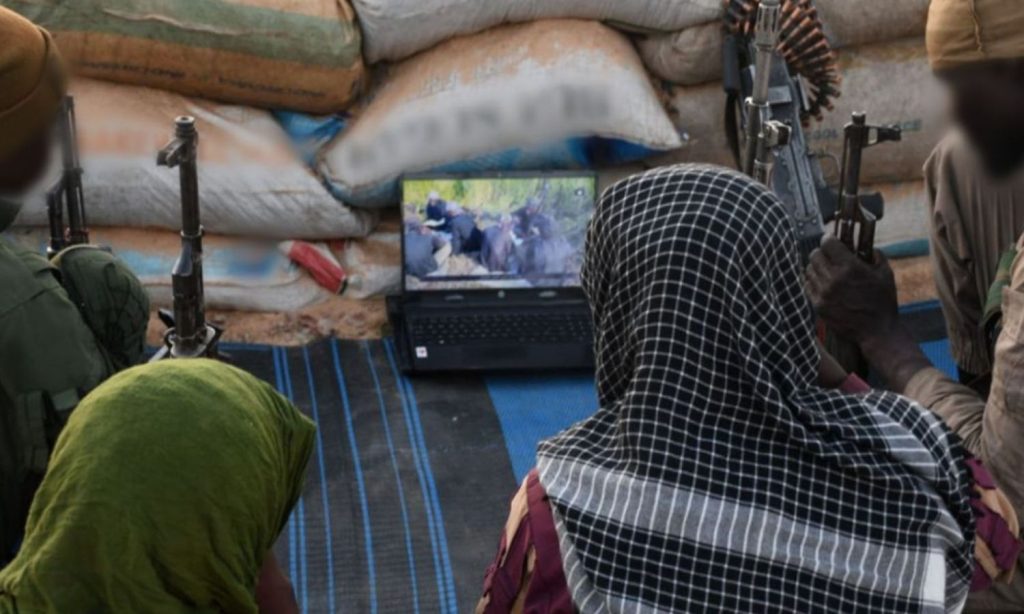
165,493
65,325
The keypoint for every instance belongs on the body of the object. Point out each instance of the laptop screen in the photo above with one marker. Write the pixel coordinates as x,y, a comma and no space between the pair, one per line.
495,233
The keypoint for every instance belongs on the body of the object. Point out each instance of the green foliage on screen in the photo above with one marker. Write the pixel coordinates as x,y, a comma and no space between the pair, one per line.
567,199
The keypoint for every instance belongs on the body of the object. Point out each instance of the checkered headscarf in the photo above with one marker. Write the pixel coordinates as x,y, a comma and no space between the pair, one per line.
717,476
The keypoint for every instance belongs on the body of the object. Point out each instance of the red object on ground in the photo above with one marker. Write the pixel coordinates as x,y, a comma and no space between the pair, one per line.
320,262
548,590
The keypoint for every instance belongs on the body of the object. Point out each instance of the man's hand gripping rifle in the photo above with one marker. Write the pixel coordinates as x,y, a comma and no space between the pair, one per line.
189,336
67,193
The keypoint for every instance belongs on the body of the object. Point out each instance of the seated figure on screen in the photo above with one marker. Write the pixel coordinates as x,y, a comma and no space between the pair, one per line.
497,251
544,251
524,217
437,213
466,236
425,250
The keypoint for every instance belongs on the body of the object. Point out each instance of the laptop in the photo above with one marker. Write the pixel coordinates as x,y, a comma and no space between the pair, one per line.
491,273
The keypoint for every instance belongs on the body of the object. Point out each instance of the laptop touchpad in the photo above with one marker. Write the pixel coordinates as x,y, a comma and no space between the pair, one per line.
495,353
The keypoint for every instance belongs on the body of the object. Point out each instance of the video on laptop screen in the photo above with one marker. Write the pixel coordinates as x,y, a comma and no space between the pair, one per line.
495,233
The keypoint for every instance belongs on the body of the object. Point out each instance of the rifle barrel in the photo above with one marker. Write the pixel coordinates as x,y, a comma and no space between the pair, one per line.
74,197
55,214
766,37
191,332
185,130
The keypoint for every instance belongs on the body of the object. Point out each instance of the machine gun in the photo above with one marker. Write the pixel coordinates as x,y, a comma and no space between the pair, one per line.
67,193
763,89
189,334
768,125
764,116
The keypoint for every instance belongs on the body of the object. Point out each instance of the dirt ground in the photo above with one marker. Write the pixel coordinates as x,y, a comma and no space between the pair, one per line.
339,317
367,319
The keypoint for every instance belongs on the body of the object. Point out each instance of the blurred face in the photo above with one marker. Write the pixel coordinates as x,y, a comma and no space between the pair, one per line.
20,171
988,103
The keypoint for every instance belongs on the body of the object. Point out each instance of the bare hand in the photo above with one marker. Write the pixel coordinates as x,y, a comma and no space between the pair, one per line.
854,298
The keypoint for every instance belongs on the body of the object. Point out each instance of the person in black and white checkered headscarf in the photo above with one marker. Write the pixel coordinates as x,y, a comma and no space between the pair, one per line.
717,475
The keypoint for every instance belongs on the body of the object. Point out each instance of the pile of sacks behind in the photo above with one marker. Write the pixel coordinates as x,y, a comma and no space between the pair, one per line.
310,111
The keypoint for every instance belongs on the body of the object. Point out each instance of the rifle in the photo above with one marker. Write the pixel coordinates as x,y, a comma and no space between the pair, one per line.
756,73
858,136
189,334
67,193
783,164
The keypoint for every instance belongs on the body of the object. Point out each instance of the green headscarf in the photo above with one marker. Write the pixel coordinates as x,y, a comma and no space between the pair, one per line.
168,486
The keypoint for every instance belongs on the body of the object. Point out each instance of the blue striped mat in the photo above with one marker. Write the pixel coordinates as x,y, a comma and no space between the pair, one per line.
410,481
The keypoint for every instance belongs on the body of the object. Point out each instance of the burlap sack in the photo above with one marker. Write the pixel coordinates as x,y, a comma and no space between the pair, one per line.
552,94
906,213
962,33
239,274
292,54
250,181
891,82
395,29
694,55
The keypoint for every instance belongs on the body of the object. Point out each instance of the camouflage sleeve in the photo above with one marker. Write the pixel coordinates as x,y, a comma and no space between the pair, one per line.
50,357
992,429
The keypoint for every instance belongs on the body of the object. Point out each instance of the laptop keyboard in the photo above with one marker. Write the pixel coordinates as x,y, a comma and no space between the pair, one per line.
507,327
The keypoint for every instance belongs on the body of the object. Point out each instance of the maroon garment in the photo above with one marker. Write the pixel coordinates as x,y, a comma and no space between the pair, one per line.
992,530
548,591
853,384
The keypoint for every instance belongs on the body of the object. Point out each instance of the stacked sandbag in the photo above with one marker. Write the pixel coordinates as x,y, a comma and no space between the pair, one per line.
396,29
250,181
904,229
694,55
891,82
239,274
553,94
295,54
373,264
